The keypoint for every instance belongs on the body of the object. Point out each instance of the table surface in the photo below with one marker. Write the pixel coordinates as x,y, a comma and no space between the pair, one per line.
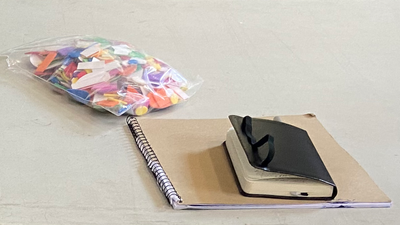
64,163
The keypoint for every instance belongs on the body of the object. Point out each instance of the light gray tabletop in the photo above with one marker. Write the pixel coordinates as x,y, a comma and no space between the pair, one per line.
63,163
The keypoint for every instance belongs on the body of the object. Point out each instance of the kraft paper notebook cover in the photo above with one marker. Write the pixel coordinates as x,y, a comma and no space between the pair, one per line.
191,166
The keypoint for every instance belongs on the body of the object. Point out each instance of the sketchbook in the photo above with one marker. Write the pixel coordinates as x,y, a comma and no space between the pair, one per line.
192,168
276,160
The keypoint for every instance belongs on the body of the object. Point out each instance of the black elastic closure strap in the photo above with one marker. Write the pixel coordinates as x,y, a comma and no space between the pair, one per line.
247,129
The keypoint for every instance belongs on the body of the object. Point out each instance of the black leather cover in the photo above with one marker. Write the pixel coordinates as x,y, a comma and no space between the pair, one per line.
294,151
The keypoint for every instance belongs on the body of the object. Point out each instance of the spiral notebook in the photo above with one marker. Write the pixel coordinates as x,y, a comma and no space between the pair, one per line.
192,168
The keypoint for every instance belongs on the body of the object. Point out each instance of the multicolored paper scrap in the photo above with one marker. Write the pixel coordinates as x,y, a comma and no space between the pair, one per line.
105,74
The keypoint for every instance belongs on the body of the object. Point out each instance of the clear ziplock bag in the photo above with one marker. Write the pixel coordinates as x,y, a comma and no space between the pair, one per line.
104,74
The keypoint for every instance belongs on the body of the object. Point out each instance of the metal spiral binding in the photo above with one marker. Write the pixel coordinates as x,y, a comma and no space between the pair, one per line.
154,165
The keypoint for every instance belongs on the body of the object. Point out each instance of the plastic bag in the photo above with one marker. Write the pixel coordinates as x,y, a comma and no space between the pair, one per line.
105,74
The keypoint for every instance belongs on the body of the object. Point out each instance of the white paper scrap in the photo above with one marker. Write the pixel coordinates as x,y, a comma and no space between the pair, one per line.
179,92
91,65
90,51
91,79
35,60
112,65
121,49
109,66
99,97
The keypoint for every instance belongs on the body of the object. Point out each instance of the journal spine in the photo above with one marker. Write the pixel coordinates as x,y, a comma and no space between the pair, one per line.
164,183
